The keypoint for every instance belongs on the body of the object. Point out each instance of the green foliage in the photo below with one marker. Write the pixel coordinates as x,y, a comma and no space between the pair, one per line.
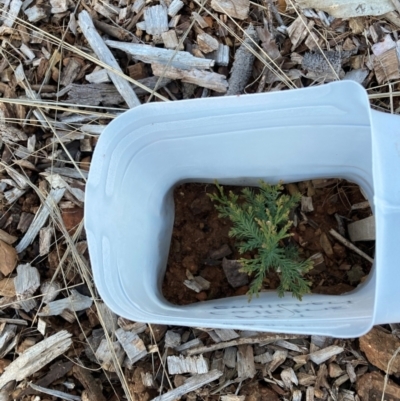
261,222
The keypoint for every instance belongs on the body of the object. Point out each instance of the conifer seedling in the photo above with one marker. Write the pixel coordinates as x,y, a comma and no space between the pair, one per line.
260,221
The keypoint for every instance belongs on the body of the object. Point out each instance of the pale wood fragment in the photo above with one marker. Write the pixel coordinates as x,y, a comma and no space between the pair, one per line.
263,358
296,396
55,393
196,342
207,43
334,370
37,13
243,64
361,205
150,54
170,39
156,19
135,327
132,345
26,283
105,55
175,7
349,245
297,31
108,318
172,339
58,6
229,358
37,356
180,364
148,380
200,20
7,334
41,216
12,14
310,394
221,55
277,359
98,77
8,258
290,346
205,79
340,380
362,230
74,303
234,8
232,269
245,362
105,355
226,334
45,236
138,5
306,379
190,384
324,354
67,172
289,378
231,397
307,204
70,72
27,52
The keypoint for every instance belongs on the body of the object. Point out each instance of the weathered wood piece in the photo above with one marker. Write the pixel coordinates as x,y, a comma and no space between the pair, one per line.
35,357
7,334
132,345
324,354
263,338
263,358
298,31
98,77
179,364
156,19
74,303
170,39
234,8
67,172
221,55
150,54
50,289
105,55
45,236
41,216
229,357
226,334
207,43
8,258
235,277
196,342
349,245
289,378
174,7
243,63
12,14
245,362
307,204
172,339
37,13
105,355
93,390
55,393
362,230
107,317
7,238
26,283
190,384
70,72
205,79
277,359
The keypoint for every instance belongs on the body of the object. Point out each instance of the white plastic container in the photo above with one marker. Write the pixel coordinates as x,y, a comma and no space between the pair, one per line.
326,131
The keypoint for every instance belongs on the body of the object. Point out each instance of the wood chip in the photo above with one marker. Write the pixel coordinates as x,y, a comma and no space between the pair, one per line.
37,356
207,43
170,39
26,283
289,378
229,358
226,334
174,7
132,344
8,258
156,20
172,339
74,303
7,287
55,393
323,355
188,345
205,79
235,8
105,354
277,359
245,362
181,364
150,54
41,216
7,238
191,384
105,55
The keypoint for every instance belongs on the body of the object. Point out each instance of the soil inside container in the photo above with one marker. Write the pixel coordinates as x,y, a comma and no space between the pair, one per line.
198,232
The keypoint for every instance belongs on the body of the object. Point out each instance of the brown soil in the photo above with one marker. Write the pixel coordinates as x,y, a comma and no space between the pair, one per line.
198,231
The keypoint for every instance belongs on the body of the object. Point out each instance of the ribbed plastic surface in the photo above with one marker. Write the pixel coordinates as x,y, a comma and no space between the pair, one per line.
291,136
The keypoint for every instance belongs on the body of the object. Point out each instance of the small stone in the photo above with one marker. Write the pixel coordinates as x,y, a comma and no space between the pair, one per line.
221,252
8,258
235,277
379,347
